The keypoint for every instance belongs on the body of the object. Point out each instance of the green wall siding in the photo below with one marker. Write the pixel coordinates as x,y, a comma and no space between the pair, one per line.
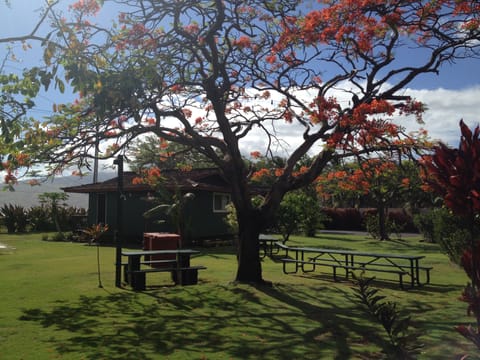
203,222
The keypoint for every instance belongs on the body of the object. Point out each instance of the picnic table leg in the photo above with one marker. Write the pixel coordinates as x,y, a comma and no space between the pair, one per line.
185,277
263,247
348,263
417,272
133,265
413,272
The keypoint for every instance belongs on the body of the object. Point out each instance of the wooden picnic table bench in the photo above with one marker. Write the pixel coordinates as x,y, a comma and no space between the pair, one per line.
307,259
182,272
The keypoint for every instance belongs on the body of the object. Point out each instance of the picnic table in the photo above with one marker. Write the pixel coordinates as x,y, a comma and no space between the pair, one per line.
268,244
179,266
307,259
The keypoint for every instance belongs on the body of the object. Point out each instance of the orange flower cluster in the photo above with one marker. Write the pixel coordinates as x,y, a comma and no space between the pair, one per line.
86,6
151,176
9,178
326,110
242,42
255,154
261,174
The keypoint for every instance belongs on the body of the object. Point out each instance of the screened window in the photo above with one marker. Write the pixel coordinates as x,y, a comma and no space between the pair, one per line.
220,202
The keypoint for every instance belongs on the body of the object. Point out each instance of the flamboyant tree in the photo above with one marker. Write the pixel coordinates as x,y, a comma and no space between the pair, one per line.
18,92
206,74
381,182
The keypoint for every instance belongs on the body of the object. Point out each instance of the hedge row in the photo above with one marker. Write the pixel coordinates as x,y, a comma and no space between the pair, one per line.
352,219
18,219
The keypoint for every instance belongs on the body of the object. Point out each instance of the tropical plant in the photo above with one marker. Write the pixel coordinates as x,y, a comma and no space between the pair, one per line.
205,74
94,233
454,174
40,219
54,201
175,210
403,343
14,218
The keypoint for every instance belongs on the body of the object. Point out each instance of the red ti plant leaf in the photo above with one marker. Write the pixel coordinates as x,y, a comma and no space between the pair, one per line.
454,174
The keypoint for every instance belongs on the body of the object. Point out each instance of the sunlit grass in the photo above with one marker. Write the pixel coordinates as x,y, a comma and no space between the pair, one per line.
52,307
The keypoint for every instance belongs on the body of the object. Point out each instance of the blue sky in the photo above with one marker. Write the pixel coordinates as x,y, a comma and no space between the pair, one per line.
450,96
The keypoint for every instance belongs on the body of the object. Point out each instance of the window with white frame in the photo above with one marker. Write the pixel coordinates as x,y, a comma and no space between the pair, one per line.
220,202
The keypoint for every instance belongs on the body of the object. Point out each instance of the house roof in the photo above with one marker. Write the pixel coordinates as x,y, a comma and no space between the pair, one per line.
208,179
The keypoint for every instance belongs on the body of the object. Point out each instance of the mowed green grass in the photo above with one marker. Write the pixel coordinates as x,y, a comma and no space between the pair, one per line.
51,307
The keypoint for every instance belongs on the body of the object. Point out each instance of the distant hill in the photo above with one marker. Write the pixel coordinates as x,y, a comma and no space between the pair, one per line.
27,195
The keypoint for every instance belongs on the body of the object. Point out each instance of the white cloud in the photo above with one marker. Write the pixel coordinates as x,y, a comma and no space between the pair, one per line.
445,110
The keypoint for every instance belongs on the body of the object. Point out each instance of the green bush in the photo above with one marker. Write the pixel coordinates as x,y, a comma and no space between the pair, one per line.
343,219
373,227
14,218
40,219
299,212
451,232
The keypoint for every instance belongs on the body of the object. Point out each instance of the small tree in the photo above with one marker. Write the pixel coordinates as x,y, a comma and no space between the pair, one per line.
455,175
173,203
54,200
94,233
298,211
381,182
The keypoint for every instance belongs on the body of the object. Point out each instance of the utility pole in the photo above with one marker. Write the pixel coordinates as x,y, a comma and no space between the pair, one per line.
118,232
95,160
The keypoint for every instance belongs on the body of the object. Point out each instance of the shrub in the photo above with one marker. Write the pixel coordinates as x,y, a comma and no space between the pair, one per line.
40,219
373,227
14,218
402,219
451,232
343,219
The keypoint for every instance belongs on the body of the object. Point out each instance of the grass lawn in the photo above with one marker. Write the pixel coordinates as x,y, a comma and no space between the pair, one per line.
52,308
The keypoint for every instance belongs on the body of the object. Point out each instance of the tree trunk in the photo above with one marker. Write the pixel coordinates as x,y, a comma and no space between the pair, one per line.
249,264
382,223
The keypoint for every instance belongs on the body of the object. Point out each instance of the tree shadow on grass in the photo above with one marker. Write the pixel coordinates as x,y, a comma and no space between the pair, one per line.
282,322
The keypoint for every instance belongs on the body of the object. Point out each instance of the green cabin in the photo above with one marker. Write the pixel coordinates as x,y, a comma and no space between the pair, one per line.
203,214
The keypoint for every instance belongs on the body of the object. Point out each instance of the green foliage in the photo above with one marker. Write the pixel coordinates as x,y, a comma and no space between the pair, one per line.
450,231
174,209
403,344
372,225
299,211
54,201
454,174
153,151
40,218
288,216
231,218
14,218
